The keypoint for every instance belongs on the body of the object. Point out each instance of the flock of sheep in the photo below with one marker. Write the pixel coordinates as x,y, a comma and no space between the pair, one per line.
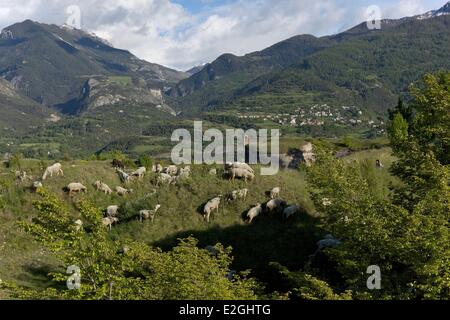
171,175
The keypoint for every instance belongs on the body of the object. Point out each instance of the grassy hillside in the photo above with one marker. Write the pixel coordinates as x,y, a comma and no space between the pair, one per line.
268,239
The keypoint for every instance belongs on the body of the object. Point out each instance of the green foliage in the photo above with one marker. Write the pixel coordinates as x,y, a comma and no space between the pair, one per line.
145,161
407,234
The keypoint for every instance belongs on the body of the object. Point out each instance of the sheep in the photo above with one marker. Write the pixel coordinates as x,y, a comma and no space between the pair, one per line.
241,173
112,211
238,165
78,225
171,170
159,168
108,222
118,164
53,169
290,211
328,242
36,185
122,191
184,173
254,212
275,193
22,176
164,178
149,214
100,186
124,177
76,187
275,205
213,172
140,173
237,194
210,207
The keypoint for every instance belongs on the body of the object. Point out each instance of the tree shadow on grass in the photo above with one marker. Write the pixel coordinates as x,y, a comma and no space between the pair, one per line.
267,239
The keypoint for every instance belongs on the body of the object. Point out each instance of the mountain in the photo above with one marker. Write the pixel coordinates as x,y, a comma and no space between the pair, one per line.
51,64
445,10
367,68
18,114
229,72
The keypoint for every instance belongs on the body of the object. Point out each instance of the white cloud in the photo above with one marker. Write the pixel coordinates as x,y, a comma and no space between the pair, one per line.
164,32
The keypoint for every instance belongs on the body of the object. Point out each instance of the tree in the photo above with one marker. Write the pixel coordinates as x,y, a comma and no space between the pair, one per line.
126,270
407,234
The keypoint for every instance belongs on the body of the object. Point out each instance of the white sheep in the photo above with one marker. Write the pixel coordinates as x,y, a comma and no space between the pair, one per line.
159,168
254,212
240,173
237,194
124,177
78,225
149,214
37,185
238,165
122,191
275,192
108,222
275,205
290,211
213,172
140,173
112,211
76,187
53,169
184,173
103,187
171,170
164,178
210,207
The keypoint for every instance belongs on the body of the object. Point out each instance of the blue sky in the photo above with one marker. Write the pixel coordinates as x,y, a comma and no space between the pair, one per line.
185,33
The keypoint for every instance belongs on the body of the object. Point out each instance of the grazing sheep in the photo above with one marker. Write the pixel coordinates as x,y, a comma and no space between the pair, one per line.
238,165
78,225
149,214
213,172
122,191
100,186
184,173
76,187
275,193
237,194
112,211
241,173
159,168
275,205
290,211
22,176
328,242
53,169
124,177
210,207
108,222
171,170
118,164
164,178
36,185
254,212
140,173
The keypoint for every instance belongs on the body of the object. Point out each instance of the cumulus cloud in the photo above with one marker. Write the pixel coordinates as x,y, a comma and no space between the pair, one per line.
168,33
